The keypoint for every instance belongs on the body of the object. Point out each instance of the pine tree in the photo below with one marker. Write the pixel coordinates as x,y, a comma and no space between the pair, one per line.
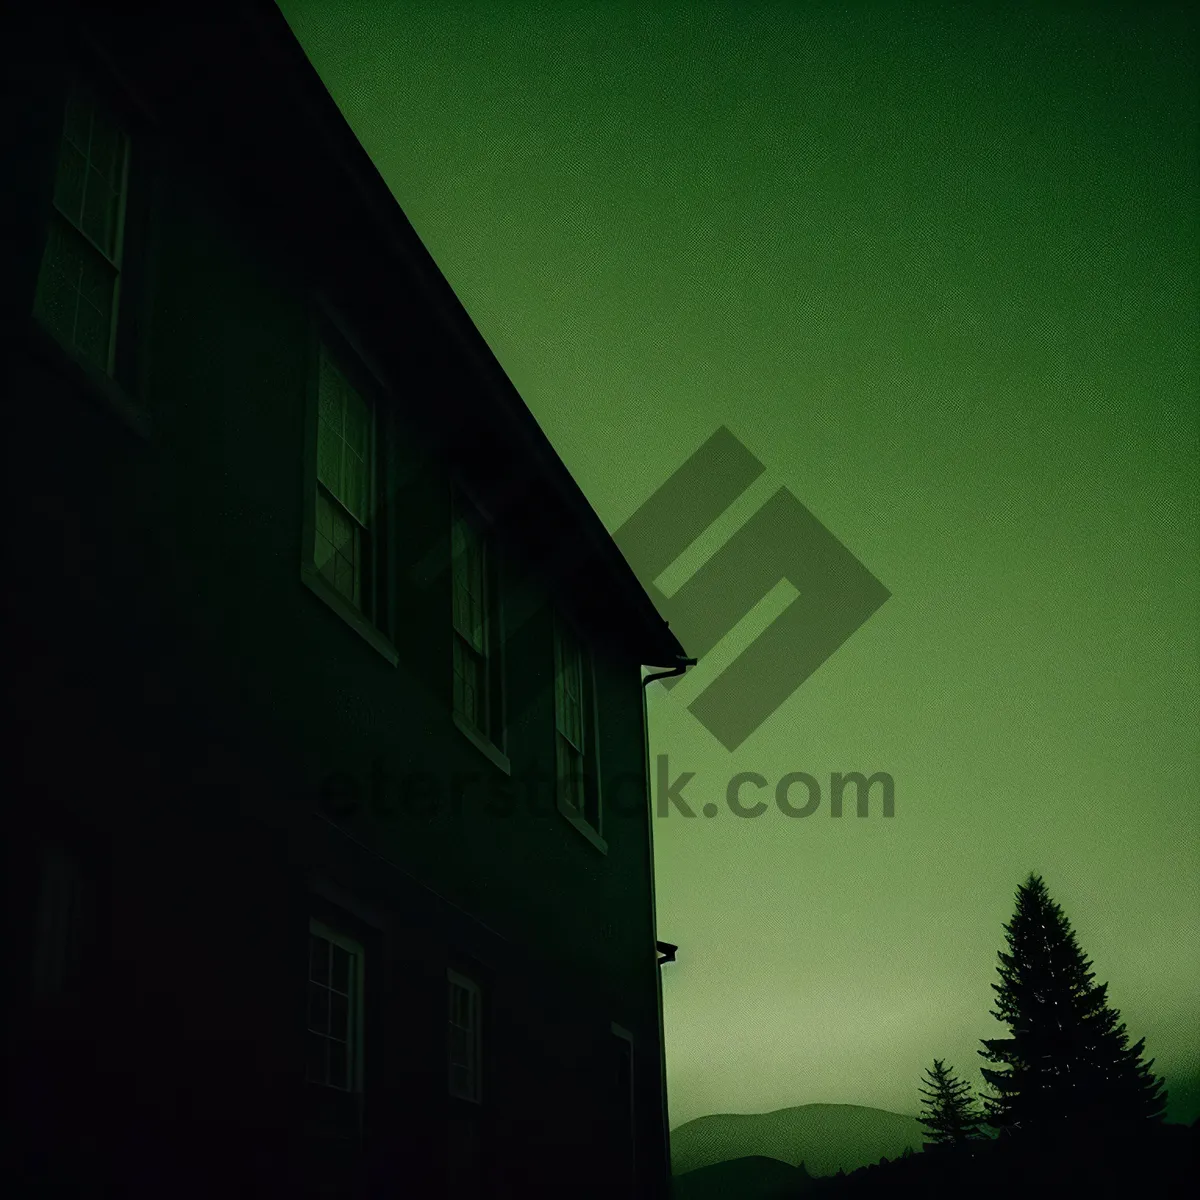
948,1111
1068,1059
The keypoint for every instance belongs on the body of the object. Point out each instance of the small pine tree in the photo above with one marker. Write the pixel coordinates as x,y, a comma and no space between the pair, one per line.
948,1111
1067,1059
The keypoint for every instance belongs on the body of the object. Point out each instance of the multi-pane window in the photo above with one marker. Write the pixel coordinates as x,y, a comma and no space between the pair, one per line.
79,283
570,716
335,978
477,694
345,437
463,1037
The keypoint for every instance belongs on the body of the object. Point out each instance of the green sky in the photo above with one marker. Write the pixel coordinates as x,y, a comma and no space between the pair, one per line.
936,266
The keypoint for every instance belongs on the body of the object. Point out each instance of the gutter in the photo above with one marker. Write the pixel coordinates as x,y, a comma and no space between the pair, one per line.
684,663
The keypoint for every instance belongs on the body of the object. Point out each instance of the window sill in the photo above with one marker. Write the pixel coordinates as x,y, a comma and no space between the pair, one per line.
319,586
86,378
581,823
483,744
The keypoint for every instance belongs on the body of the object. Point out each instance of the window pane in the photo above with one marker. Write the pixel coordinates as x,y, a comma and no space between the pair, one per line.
318,959
57,292
341,969
343,577
343,532
318,1050
570,775
338,1065
468,590
477,625
575,725
329,457
329,402
568,696
77,120
105,150
472,671
96,280
68,184
75,294
355,484
462,608
330,386
343,439
324,525
93,321
474,565
324,556
318,1007
339,1016
358,424
100,211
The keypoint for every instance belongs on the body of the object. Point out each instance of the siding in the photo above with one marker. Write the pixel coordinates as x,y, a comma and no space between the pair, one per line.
183,698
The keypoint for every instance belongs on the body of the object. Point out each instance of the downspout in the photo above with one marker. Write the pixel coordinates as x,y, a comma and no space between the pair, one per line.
665,1166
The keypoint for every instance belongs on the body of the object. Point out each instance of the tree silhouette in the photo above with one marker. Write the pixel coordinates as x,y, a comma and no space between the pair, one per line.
948,1111
1067,1060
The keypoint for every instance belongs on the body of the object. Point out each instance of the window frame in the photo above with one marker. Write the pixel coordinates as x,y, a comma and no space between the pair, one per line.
363,565
81,86
356,1011
590,820
491,738
329,339
473,1091
123,381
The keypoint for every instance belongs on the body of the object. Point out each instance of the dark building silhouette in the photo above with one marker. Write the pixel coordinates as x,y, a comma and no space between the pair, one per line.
329,855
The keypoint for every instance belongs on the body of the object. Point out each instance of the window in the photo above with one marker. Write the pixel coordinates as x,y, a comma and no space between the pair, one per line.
463,1038
574,719
478,680
345,476
78,289
345,556
335,1030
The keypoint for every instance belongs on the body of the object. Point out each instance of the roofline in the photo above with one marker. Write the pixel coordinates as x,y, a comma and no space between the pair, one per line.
662,648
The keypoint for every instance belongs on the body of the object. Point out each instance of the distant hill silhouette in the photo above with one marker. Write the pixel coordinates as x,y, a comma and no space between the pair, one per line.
754,1178
826,1137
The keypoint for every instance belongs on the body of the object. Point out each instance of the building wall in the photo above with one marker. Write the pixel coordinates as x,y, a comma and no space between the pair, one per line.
184,703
